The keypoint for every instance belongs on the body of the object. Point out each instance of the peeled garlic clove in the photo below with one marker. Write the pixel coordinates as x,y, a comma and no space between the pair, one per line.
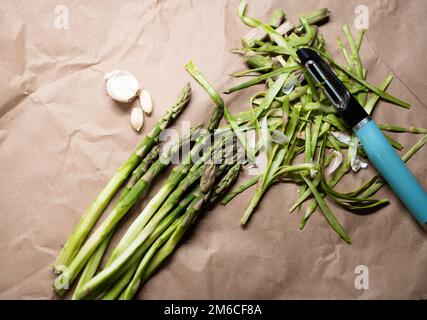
121,85
137,118
145,101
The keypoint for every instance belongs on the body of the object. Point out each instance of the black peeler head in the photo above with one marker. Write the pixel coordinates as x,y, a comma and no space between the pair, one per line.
306,54
349,108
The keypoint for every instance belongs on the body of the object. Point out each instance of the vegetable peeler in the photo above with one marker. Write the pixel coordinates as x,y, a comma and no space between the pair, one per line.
376,146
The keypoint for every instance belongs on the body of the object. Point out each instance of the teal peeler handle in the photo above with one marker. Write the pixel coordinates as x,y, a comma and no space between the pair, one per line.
394,170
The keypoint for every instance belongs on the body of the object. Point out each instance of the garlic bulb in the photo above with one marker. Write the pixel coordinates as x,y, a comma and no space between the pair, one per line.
121,85
145,101
137,118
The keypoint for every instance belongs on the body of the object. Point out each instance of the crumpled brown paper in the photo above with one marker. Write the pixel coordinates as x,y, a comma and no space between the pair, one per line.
62,137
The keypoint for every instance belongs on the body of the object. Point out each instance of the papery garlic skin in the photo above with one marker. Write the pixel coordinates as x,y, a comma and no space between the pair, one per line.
342,137
145,101
336,162
313,173
260,165
137,118
121,85
357,163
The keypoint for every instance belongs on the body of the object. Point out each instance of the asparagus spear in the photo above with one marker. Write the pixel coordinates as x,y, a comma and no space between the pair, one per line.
194,175
119,285
173,237
179,188
178,173
173,198
140,171
111,273
94,261
132,287
67,277
92,214
93,264
229,158
225,182
245,185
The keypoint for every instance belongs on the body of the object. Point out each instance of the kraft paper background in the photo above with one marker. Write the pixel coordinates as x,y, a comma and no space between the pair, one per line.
62,137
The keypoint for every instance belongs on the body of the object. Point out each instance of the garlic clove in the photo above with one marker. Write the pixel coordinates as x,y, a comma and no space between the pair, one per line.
121,85
137,118
145,101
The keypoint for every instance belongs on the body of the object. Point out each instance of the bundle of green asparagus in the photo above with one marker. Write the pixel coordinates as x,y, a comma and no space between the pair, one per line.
208,168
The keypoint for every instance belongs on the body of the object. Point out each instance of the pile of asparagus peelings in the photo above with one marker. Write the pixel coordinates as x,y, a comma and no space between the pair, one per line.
300,134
